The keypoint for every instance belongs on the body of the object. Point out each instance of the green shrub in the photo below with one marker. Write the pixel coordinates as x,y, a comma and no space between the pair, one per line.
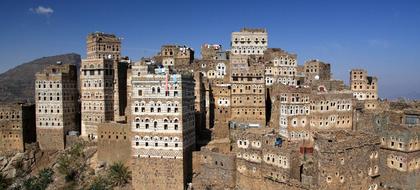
119,174
72,162
99,183
40,182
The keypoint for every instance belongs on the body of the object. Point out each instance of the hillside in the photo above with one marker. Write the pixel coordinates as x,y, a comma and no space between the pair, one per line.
18,84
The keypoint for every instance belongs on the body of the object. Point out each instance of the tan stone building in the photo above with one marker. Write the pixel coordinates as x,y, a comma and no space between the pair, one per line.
343,160
264,160
56,100
316,70
103,78
249,41
290,111
215,91
248,95
280,67
163,131
100,45
400,147
17,126
331,110
176,56
364,87
210,51
214,169
114,142
222,110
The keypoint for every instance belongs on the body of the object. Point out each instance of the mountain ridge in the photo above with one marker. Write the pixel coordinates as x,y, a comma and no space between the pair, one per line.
18,84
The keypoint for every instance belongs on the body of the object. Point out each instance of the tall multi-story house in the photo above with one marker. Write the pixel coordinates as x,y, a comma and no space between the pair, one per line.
331,110
211,51
280,67
215,71
176,56
56,100
316,70
100,45
290,112
248,95
364,87
162,126
249,41
103,77
17,126
222,110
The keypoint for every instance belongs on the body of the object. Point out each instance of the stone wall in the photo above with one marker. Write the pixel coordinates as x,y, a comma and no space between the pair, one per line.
17,127
214,170
114,142
157,173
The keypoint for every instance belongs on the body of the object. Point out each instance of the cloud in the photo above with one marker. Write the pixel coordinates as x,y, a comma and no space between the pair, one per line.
41,10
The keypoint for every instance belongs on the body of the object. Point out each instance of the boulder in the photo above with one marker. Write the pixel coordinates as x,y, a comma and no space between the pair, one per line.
11,173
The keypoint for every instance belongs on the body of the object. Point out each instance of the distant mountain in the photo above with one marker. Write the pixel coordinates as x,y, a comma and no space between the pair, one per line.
18,84
413,95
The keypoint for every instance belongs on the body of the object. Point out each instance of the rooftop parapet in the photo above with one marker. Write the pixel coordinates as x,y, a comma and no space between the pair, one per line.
261,30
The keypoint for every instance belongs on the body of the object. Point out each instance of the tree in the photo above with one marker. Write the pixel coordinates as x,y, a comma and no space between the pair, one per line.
39,182
119,174
99,183
72,162
45,177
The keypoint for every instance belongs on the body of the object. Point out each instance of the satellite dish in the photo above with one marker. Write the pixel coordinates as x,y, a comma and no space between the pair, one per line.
109,56
316,77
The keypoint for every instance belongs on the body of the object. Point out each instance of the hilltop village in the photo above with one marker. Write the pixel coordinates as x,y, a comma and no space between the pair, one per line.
245,118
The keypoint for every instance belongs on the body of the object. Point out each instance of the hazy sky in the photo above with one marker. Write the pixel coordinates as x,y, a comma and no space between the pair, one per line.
381,36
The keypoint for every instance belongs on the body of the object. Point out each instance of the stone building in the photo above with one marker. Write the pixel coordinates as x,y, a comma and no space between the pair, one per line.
343,160
248,95
222,110
176,56
214,169
280,67
249,41
290,111
17,126
264,160
215,75
400,147
328,85
103,78
162,126
316,70
211,51
114,142
100,45
364,87
56,100
331,110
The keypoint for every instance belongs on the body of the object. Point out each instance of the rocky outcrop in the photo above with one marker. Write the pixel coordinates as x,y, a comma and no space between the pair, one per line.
13,165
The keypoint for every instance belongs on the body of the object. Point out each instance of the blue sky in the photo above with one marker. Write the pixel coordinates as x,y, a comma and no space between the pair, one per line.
381,36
